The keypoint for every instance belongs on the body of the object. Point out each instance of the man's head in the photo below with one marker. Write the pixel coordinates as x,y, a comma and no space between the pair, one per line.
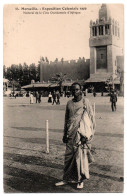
76,89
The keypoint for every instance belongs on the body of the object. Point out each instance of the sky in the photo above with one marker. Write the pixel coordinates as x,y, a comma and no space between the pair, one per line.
27,37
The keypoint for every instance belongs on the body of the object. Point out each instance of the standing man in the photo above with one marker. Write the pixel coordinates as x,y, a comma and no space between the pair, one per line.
37,97
76,164
113,100
54,97
102,93
94,93
58,97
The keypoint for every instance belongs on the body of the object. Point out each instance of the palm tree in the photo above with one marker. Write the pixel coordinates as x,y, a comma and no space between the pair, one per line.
59,78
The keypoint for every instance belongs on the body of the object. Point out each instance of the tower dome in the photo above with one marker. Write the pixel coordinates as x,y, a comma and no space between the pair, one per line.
104,13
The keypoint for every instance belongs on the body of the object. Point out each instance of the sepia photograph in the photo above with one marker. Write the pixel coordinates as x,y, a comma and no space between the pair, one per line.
63,98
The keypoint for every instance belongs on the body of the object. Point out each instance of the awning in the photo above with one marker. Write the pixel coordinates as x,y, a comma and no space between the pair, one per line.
98,77
47,85
39,85
94,80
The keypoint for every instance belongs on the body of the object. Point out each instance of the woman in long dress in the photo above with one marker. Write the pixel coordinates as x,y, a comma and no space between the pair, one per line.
50,98
31,98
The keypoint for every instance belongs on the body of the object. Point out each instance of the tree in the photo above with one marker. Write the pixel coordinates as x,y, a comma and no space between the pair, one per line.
42,59
59,78
56,60
20,67
83,59
26,78
46,59
32,72
62,60
79,61
38,72
4,71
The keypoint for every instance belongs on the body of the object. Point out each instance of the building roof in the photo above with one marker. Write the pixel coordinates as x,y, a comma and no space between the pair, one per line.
39,85
98,77
96,80
49,84
103,77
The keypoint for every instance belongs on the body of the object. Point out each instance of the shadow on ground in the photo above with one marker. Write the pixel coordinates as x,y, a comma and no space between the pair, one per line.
29,182
22,180
37,129
32,160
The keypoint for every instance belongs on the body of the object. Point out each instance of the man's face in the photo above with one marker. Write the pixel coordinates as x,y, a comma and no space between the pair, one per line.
76,91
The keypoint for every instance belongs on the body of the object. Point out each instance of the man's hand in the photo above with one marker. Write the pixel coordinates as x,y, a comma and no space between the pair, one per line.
84,140
65,140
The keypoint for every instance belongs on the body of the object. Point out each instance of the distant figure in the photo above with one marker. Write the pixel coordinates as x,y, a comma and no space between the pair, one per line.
102,93
84,92
94,93
113,100
54,97
37,97
58,97
31,98
117,92
27,94
50,98
68,94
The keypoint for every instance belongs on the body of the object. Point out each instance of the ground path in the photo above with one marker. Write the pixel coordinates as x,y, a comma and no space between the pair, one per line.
27,168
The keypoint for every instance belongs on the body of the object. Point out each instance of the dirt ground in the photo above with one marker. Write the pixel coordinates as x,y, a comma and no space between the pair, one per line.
27,167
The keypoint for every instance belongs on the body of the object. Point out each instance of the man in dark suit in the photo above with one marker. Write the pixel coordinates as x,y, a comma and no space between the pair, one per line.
113,99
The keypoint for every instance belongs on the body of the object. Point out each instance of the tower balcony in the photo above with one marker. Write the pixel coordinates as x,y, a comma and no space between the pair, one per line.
104,40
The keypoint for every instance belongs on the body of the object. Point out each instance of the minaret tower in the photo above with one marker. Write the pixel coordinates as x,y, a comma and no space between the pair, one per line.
104,44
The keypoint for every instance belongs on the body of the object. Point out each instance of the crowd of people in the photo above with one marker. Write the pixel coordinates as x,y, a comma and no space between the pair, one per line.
37,96
53,97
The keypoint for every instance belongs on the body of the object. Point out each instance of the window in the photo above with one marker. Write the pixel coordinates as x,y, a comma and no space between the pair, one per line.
118,32
101,30
115,30
107,29
94,31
